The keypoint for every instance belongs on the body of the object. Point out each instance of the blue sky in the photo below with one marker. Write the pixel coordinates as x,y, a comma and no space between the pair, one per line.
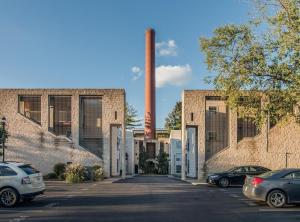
100,44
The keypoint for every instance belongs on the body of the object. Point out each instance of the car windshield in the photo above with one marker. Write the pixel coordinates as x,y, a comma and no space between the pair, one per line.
268,174
232,169
28,169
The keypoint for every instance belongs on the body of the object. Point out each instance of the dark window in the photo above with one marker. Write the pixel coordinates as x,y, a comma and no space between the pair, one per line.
178,168
212,136
28,169
151,150
296,175
30,107
7,171
60,115
240,170
90,130
288,176
212,109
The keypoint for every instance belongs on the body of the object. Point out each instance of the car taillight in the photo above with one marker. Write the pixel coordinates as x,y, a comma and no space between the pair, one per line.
26,180
257,180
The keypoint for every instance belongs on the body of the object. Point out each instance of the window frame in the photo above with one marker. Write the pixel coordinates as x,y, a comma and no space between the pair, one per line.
33,95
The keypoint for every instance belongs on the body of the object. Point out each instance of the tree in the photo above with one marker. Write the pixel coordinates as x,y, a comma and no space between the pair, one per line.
245,58
173,121
162,162
131,118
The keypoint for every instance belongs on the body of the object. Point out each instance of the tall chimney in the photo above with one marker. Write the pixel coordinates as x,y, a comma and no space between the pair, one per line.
150,85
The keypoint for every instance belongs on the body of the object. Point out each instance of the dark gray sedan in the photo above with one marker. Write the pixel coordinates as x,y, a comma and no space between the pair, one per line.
277,188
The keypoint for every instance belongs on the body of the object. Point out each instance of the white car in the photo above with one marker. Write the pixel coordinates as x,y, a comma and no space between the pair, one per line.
19,181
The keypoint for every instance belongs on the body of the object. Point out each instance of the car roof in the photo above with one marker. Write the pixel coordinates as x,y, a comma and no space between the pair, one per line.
14,163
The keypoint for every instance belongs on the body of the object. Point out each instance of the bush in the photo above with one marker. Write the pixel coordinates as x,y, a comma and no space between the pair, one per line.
74,173
59,169
98,173
50,176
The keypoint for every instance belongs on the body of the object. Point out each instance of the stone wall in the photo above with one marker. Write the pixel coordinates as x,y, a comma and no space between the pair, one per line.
33,143
282,150
276,148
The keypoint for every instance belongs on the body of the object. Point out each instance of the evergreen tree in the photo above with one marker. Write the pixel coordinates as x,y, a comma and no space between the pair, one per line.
131,119
173,121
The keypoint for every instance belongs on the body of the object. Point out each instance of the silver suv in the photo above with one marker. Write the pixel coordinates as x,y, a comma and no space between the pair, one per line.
19,181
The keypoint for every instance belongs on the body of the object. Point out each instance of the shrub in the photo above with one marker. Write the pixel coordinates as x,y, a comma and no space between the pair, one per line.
74,173
98,173
50,176
59,169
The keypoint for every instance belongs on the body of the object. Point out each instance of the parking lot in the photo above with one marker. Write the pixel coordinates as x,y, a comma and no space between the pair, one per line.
145,198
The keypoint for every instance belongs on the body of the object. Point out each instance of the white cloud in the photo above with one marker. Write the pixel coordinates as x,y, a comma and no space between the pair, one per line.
173,75
168,48
137,72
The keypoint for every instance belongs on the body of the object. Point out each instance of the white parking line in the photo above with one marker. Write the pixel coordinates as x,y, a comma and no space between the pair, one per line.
18,219
251,204
234,195
279,209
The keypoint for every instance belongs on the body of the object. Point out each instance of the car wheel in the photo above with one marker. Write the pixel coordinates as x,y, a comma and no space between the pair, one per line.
276,199
9,197
223,182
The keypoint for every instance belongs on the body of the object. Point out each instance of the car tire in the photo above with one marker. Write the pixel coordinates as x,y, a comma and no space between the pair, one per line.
276,199
223,182
9,197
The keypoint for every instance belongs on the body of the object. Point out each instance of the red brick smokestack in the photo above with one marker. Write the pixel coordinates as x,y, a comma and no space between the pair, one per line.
150,85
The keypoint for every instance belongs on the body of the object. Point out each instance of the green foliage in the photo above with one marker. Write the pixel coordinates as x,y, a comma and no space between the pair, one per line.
173,121
98,172
162,163
131,117
50,176
74,173
263,63
143,157
59,169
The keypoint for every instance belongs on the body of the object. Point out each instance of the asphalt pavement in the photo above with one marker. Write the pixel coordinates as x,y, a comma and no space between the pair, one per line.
145,198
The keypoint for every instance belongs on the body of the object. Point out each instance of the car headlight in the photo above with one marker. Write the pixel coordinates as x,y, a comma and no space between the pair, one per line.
214,176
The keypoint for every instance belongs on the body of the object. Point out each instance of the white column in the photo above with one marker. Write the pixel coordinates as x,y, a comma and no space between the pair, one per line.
123,153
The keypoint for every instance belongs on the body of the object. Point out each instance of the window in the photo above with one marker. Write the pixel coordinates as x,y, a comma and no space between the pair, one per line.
178,168
212,136
30,107
7,171
60,115
212,109
28,169
90,130
240,170
294,175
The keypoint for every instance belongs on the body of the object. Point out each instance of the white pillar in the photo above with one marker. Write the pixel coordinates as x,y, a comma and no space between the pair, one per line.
123,153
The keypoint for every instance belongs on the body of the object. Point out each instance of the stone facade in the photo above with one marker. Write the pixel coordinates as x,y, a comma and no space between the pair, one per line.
272,148
276,149
33,143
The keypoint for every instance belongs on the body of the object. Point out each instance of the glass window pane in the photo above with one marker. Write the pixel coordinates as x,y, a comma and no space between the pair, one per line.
60,115
30,107
90,130
7,171
28,169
